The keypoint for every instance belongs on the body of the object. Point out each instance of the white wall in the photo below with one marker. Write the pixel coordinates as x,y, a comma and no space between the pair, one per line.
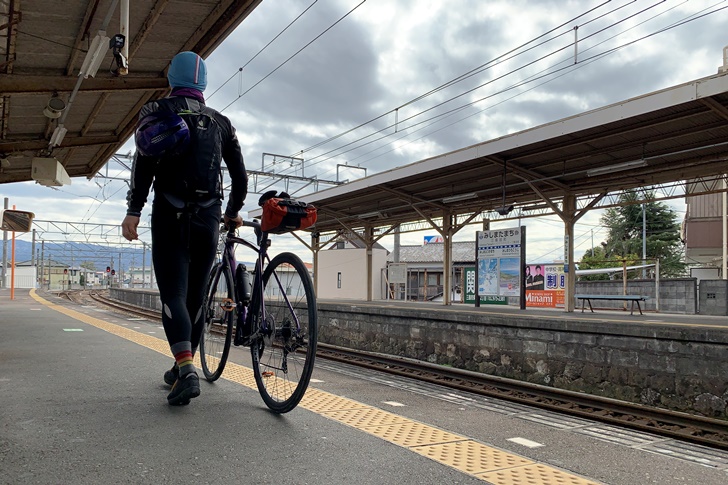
25,277
352,264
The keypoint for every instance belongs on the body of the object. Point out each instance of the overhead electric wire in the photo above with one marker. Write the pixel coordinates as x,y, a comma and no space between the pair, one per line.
50,40
389,127
292,56
580,64
502,58
453,111
240,69
459,78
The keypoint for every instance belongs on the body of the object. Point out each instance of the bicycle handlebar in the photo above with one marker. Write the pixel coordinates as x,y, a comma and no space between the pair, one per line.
246,223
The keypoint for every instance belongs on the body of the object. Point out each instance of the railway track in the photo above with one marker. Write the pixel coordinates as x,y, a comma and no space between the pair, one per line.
682,426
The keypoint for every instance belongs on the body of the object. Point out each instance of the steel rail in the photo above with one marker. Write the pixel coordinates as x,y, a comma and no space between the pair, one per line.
664,422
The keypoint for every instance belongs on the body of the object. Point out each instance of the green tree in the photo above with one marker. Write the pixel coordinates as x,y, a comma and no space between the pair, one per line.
89,265
624,240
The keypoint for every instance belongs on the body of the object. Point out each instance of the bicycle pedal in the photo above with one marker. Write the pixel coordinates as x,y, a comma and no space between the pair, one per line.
227,305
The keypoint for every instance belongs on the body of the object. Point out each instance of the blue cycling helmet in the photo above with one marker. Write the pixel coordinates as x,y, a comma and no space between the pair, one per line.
161,133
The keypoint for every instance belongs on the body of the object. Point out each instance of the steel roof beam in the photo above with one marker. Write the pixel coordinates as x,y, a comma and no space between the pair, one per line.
10,85
69,141
81,35
716,107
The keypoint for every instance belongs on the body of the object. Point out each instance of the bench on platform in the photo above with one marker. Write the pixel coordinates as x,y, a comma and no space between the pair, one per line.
633,298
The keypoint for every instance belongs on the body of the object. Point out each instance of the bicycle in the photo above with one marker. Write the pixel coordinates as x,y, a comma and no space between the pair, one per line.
276,317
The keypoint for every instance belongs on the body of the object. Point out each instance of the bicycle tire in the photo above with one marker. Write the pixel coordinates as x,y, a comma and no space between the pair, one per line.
283,359
217,329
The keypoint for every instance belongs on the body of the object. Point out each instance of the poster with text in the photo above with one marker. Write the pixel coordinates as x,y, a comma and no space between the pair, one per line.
545,284
484,299
499,262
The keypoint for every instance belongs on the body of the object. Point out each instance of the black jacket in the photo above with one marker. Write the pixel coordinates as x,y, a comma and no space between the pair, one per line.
165,173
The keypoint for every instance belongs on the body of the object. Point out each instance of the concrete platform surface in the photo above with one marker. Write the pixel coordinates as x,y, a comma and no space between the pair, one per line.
83,402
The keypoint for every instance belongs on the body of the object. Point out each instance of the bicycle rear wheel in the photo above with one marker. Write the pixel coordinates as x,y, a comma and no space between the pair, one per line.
283,345
217,330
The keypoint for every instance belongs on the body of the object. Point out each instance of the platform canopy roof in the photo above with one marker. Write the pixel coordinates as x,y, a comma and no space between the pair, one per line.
676,134
43,45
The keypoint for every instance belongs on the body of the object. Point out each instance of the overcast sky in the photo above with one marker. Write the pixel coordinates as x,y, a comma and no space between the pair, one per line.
385,54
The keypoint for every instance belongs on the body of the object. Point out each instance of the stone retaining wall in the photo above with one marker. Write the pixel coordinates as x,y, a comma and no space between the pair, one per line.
682,369
679,368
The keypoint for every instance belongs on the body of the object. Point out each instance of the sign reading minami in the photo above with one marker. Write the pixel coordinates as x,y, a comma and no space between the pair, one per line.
545,285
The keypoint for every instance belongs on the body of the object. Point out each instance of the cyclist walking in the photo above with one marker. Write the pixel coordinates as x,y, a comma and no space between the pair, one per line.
180,146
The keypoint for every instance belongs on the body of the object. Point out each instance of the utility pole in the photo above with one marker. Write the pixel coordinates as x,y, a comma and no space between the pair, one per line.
592,237
42,265
144,264
5,250
644,241
151,274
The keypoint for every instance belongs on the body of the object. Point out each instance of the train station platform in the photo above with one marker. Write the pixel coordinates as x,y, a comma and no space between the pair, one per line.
83,402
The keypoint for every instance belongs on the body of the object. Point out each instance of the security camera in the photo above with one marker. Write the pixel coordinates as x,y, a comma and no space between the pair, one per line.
504,211
117,41
116,44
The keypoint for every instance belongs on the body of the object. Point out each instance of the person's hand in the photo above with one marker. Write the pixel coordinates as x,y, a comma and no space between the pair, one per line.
129,228
234,223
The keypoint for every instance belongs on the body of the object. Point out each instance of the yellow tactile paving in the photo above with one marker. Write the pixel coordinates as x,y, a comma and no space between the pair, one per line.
322,402
472,457
365,417
411,433
534,474
476,459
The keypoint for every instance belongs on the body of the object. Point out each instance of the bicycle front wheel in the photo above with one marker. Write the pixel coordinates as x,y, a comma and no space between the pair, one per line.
283,345
217,329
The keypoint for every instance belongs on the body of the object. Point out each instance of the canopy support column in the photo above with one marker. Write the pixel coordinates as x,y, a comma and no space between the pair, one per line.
568,216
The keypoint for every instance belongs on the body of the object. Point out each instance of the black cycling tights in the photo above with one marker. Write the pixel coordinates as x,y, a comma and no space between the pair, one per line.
184,242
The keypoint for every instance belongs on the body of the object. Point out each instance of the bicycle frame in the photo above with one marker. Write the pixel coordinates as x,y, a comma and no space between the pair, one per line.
228,259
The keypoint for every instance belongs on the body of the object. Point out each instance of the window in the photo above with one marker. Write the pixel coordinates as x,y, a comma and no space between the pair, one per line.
338,280
433,279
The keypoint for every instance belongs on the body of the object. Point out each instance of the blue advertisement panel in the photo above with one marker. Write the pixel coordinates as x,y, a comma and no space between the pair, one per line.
499,262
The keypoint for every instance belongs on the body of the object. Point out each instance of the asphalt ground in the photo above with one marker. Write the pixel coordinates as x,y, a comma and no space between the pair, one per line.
83,401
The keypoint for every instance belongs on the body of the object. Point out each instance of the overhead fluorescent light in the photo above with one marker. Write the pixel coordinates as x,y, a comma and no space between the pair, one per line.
616,168
534,207
57,136
95,55
458,198
369,215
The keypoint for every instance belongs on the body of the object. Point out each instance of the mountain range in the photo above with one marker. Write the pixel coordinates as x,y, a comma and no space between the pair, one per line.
93,256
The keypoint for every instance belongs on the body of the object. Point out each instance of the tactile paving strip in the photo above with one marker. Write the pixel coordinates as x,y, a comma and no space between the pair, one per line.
472,457
322,402
411,433
241,375
535,474
495,466
365,417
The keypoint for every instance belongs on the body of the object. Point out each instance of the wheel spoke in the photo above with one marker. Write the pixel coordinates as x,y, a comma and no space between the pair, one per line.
217,329
283,358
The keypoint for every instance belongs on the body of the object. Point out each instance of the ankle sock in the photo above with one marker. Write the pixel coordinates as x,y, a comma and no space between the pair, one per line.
182,352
